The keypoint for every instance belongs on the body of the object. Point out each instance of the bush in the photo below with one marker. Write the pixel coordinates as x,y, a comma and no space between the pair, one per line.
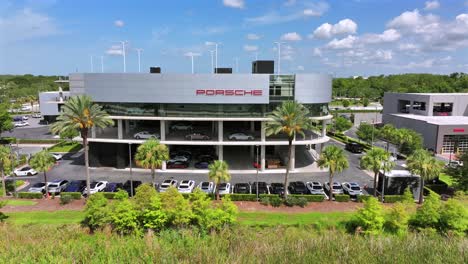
393,198
345,103
310,198
362,198
301,201
29,195
2,215
123,217
265,201
428,215
65,199
97,213
290,201
242,197
342,198
73,195
276,201
370,218
176,208
109,195
397,219
453,217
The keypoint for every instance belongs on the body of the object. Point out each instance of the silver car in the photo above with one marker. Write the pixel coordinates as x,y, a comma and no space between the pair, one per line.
224,188
38,188
207,187
57,186
316,188
351,188
336,188
146,135
167,184
240,136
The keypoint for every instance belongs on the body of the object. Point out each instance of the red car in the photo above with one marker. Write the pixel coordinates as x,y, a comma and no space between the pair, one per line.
177,165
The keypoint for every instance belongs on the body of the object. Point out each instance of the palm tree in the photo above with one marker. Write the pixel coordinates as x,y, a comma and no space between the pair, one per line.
151,155
423,164
43,162
377,159
218,172
80,113
290,118
335,159
5,165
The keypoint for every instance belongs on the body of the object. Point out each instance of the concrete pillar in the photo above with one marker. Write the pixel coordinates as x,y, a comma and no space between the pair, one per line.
292,164
263,132
324,128
252,152
163,166
93,132
119,129
262,157
162,129
213,127
220,153
127,127
220,131
252,126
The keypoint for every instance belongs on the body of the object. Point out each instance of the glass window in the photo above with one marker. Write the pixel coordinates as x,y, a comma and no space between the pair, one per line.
421,106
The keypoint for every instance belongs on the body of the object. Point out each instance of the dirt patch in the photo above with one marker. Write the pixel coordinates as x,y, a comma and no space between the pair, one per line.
323,207
48,205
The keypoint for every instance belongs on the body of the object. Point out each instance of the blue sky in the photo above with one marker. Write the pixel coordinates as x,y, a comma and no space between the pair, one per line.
345,38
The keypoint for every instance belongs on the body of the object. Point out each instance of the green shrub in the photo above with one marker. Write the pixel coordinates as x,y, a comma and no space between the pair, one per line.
342,198
265,201
310,198
176,208
65,199
276,201
242,197
453,217
123,217
362,198
29,195
290,201
397,219
73,195
370,218
408,197
109,195
97,212
7,140
2,215
393,198
302,202
428,215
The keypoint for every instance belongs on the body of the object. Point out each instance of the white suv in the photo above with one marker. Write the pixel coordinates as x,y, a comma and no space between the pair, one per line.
207,187
167,184
240,136
316,188
186,186
25,171
96,187
146,135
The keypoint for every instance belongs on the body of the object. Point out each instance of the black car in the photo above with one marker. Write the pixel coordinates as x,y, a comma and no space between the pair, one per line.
207,157
243,188
127,186
277,188
183,153
76,186
113,187
297,187
354,147
203,164
263,188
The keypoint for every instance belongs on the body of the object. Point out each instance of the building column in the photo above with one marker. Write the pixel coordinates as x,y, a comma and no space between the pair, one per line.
119,129
252,152
163,165
127,127
93,132
262,157
252,126
324,128
220,152
162,129
292,164
220,131
263,132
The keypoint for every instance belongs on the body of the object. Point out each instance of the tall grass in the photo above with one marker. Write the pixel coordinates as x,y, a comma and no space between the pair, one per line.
72,244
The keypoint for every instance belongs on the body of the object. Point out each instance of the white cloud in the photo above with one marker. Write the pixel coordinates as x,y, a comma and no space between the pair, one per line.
413,21
431,5
275,17
190,54
234,3
315,9
345,43
300,68
389,35
119,23
429,63
252,36
317,52
250,48
114,50
408,47
326,30
291,36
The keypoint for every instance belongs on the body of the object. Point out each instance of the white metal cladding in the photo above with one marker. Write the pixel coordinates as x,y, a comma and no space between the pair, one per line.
313,88
171,88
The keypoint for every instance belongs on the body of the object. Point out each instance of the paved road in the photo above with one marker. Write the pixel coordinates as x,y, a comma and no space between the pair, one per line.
33,131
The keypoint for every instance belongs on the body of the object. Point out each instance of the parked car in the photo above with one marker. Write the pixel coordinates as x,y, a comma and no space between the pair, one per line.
128,186
17,118
182,126
21,124
179,158
454,164
297,187
36,115
183,153
57,186
25,117
76,186
203,164
57,156
95,187
186,186
25,171
337,188
351,188
224,188
243,188
207,157
38,188
316,188
113,187
263,188
197,136
240,136
177,164
277,188
207,187
354,147
146,135
166,184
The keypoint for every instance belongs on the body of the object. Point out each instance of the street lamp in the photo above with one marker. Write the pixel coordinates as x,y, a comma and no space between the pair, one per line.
192,55
216,53
139,54
279,55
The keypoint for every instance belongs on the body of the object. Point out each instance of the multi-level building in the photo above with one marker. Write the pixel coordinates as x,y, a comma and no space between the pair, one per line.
441,118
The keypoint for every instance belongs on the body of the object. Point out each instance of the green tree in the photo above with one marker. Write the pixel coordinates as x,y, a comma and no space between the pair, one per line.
290,118
153,216
408,141
97,213
342,124
428,214
397,219
333,158
69,134
365,101
6,121
454,217
143,195
124,218
42,162
389,133
151,155
176,208
345,103
80,113
367,132
5,165
218,172
408,197
371,218
377,160
460,174
427,167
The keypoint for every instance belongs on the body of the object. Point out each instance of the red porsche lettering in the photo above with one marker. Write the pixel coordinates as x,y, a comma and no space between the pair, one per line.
216,92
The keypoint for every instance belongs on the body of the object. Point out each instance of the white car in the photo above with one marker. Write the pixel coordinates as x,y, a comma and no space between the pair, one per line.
186,186
240,136
25,117
207,187
146,135
25,171
181,126
95,187
36,115
57,186
337,188
21,124
38,187
351,188
224,188
454,164
316,188
57,156
179,158
166,184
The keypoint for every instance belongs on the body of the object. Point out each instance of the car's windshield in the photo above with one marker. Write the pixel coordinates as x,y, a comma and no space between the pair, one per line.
336,187
25,168
317,187
53,185
205,185
41,184
223,187
355,188
93,184
183,186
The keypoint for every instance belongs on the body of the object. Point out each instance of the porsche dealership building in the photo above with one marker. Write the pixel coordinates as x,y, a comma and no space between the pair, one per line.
178,108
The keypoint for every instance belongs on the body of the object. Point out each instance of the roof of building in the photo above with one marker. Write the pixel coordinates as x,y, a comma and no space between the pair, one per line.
399,173
437,120
458,94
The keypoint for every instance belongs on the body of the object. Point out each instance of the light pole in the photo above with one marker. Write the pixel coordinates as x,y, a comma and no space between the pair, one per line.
139,55
192,55
279,56
216,54
123,55
212,61
130,165
236,59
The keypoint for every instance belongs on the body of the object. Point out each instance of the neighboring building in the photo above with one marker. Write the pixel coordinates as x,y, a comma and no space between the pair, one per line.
50,104
441,118
216,105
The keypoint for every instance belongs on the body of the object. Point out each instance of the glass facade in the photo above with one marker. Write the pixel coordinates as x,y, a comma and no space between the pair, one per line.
282,87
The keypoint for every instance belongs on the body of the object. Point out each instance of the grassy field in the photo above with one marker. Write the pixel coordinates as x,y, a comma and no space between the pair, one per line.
66,147
20,202
42,217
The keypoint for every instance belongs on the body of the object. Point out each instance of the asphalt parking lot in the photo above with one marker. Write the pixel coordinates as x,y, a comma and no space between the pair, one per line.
33,131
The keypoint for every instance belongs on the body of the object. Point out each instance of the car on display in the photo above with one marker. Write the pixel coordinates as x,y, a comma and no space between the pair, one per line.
127,186
113,187
181,126
57,156
240,136
277,188
207,187
263,188
146,135
351,188
197,136
57,186
337,188
207,157
182,153
186,186
243,188
166,184
25,171
36,115
21,124
95,187
75,186
203,164
180,158
224,188
316,188
297,187
354,147
177,164
38,188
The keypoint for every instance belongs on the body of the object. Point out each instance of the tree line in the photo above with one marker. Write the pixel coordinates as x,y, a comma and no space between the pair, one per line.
13,87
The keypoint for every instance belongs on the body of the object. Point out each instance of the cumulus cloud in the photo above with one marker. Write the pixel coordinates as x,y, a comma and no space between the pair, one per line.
300,68
345,43
389,35
234,3
250,48
413,21
317,52
114,50
119,23
291,36
431,5
275,17
252,36
326,30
